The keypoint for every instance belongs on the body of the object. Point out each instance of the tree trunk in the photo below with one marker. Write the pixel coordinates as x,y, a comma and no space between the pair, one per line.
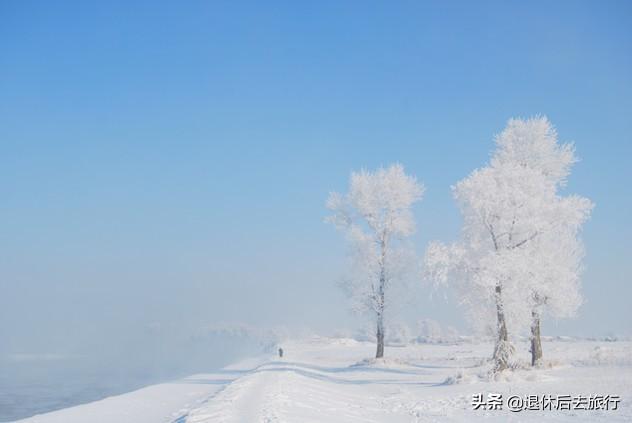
380,336
536,342
503,349
381,297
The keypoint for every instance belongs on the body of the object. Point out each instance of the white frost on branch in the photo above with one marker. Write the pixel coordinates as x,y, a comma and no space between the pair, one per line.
519,250
376,216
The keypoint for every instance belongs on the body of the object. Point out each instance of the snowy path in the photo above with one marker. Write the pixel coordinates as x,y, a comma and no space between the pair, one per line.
322,380
319,382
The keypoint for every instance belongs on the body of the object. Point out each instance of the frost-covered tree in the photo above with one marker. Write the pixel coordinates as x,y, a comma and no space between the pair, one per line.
376,215
551,279
551,263
514,222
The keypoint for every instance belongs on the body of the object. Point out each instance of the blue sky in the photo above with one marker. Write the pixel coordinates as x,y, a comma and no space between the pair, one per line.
165,161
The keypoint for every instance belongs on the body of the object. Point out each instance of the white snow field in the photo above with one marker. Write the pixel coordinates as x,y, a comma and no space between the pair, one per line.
331,380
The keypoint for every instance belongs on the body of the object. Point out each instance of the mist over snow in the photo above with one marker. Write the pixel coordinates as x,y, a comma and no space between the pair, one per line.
383,206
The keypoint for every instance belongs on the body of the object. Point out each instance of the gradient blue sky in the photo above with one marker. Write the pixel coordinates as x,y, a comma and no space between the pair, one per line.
169,161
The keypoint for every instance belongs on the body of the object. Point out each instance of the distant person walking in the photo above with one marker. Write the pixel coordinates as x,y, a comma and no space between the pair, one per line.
280,352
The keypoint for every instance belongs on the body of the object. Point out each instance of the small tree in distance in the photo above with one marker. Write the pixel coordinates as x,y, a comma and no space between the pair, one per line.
377,218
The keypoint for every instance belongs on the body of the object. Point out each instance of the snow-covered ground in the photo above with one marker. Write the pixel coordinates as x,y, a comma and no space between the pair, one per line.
331,380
